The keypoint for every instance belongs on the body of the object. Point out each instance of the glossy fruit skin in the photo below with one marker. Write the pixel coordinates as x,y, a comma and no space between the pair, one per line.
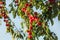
7,24
26,5
30,36
1,2
39,23
5,20
31,27
28,13
36,19
23,10
31,19
29,33
4,15
28,30
1,7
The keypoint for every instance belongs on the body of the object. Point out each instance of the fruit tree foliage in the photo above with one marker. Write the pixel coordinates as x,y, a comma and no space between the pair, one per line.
35,22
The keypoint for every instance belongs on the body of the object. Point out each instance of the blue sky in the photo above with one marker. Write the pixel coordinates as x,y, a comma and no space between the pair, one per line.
7,36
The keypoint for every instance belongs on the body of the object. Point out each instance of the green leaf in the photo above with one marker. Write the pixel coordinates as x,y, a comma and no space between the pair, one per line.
11,30
7,30
22,25
18,34
33,34
14,14
59,17
52,22
14,35
55,13
0,17
10,5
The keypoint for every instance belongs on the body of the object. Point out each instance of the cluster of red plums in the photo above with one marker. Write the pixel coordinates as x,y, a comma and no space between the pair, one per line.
1,4
31,19
3,14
